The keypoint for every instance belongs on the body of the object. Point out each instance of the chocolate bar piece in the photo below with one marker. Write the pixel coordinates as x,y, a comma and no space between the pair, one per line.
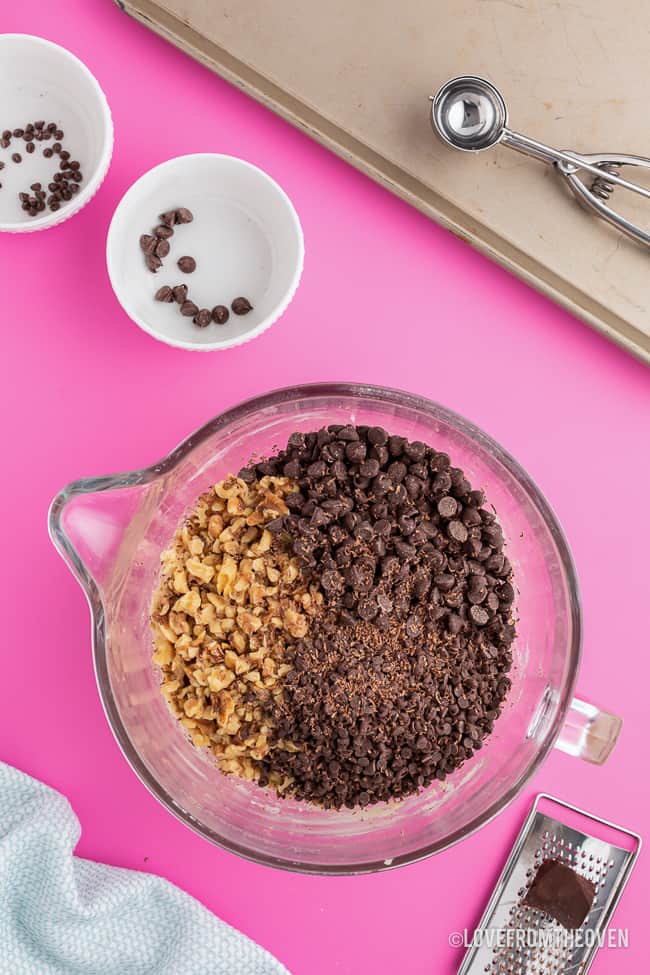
560,892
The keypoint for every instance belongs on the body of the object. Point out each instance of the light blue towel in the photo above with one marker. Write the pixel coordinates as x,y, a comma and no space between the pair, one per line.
61,915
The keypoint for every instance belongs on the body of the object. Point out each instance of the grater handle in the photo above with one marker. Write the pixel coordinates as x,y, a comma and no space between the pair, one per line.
588,732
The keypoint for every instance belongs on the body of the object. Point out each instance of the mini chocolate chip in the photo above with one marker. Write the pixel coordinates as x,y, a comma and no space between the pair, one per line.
183,215
447,507
56,147
164,232
203,318
186,264
456,530
397,471
377,436
147,243
180,293
169,218
355,451
444,581
47,152
220,314
396,446
16,157
369,467
153,262
162,248
164,294
241,306
30,147
479,615
189,309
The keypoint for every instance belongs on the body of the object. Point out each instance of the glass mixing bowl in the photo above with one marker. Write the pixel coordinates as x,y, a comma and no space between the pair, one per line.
111,531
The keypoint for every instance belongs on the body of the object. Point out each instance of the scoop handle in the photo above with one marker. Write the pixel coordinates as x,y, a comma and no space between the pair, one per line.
588,198
572,161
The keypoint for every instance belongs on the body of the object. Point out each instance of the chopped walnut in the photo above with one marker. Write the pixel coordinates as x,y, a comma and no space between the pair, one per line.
228,605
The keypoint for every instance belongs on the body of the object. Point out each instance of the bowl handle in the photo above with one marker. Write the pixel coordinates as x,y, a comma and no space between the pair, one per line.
588,732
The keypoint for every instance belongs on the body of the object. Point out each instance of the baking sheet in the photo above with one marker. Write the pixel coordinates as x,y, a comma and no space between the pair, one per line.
356,75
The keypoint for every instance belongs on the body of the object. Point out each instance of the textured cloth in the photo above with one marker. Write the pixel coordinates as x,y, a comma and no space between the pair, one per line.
61,915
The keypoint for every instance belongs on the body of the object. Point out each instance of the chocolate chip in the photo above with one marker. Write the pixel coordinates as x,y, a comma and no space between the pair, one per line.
164,294
355,452
147,243
47,152
369,467
220,314
447,507
153,262
203,317
377,436
456,530
189,309
183,215
30,147
162,248
180,293
403,604
241,306
479,615
164,232
186,264
16,157
397,471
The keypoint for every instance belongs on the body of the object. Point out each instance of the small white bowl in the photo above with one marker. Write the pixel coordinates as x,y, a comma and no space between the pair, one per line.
246,239
40,80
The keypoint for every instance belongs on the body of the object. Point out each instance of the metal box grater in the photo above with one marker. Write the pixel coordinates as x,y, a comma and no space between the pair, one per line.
593,847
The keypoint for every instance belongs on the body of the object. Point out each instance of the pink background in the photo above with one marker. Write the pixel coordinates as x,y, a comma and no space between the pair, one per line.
386,297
